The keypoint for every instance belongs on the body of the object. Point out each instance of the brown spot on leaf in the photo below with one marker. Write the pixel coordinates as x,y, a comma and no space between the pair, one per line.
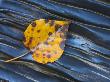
38,31
24,38
52,23
50,33
52,41
43,54
57,27
48,56
30,40
46,43
33,24
37,54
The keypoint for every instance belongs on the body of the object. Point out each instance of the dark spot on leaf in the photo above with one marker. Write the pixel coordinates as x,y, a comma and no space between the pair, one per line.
24,38
57,27
43,54
37,55
38,31
46,43
52,23
37,45
30,40
50,33
48,56
33,24
32,29
52,40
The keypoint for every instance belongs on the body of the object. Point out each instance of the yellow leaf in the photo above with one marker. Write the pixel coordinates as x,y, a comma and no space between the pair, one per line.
46,39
